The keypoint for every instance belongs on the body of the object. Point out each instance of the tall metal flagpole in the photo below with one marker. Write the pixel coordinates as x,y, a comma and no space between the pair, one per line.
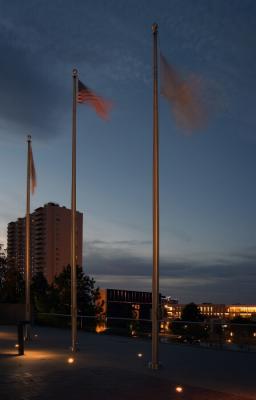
28,267
155,273
73,218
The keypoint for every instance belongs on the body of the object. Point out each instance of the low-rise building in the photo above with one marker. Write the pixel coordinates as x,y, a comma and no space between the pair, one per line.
118,303
173,310
241,310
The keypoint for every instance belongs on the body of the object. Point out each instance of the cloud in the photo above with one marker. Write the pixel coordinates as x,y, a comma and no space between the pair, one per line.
29,99
126,243
38,54
230,278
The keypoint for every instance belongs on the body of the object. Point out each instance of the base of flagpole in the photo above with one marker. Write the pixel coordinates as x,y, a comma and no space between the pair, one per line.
27,333
74,349
154,366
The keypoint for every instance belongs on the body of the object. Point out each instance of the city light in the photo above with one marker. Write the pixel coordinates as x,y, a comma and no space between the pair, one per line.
71,360
38,355
8,336
179,389
100,328
139,355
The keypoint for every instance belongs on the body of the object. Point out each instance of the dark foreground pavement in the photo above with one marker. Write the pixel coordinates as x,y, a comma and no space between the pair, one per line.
108,367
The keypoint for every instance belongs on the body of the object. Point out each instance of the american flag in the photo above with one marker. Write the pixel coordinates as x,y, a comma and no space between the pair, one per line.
32,172
184,96
100,105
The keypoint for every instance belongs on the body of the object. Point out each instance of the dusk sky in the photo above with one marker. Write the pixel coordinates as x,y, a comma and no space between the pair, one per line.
207,179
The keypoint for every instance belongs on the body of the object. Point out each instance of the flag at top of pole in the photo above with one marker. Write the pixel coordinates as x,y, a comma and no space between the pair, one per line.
87,96
31,184
184,96
33,181
81,95
155,206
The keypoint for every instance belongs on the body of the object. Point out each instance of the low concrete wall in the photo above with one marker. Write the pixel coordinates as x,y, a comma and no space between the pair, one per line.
11,313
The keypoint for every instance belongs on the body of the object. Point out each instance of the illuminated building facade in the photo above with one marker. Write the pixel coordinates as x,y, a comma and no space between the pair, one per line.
173,310
50,240
241,310
213,310
125,311
126,303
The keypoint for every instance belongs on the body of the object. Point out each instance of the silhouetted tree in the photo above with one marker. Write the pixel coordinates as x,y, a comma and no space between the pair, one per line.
87,294
40,293
189,326
13,286
3,269
242,329
191,313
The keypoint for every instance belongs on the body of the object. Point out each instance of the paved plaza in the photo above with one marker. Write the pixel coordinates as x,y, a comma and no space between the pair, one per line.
113,367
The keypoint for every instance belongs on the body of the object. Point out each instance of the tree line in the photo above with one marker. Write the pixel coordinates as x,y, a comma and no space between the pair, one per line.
49,298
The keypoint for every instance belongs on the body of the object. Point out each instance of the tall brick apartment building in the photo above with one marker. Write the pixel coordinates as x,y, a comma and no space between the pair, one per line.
50,240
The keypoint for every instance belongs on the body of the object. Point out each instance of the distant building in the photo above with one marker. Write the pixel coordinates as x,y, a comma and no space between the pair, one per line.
241,310
173,310
213,310
170,307
120,303
50,240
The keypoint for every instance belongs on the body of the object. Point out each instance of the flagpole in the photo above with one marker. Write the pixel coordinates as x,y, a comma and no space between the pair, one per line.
73,218
27,268
155,272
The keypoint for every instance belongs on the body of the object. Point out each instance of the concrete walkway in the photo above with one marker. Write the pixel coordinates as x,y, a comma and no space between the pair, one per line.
112,367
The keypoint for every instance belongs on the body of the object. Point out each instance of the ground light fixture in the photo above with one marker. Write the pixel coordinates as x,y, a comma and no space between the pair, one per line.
179,389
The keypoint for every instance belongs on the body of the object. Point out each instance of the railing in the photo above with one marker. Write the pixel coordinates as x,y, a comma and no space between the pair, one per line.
109,325
212,333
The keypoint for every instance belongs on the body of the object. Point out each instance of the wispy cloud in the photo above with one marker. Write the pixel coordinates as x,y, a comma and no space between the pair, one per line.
28,96
114,243
38,54
216,281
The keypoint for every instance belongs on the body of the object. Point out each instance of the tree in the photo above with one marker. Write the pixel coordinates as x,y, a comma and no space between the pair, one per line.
87,294
189,326
191,313
242,330
56,298
13,290
40,293
3,268
12,286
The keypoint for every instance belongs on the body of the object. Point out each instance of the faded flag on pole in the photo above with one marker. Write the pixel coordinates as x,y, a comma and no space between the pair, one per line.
87,96
32,172
183,96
